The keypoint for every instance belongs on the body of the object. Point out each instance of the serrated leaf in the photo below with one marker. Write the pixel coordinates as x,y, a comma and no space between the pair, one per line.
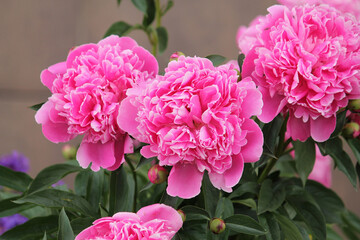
271,226
18,181
304,158
244,224
288,228
329,202
270,198
33,229
65,231
120,28
36,107
54,198
163,38
216,59
51,175
140,4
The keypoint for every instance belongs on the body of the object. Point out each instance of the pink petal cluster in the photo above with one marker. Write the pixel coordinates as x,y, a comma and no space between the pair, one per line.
195,118
86,93
306,62
322,170
346,6
154,222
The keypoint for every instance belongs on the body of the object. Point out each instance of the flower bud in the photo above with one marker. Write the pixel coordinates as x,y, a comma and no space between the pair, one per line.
157,174
176,55
182,214
69,152
217,225
351,130
354,105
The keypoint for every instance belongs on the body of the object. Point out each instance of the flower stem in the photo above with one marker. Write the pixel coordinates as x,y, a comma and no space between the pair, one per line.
115,183
128,161
158,13
270,164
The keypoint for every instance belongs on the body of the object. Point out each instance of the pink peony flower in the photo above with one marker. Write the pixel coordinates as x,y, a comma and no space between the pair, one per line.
86,93
306,62
346,6
195,118
322,169
154,222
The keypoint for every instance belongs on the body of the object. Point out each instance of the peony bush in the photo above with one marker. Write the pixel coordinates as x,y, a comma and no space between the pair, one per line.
203,149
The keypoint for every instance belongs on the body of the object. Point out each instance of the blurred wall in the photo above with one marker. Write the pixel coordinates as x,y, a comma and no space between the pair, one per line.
38,33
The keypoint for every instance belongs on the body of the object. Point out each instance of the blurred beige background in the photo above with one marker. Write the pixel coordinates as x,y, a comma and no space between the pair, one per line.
38,33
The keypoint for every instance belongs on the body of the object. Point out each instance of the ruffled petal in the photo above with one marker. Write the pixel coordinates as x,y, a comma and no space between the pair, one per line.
252,103
150,63
48,75
123,42
126,119
184,181
77,52
272,105
252,151
298,129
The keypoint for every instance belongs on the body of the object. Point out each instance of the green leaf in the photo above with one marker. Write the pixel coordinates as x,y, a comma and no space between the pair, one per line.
143,161
340,122
311,215
216,59
170,4
334,148
18,181
45,236
80,224
249,202
224,208
247,187
195,213
65,231
329,202
240,61
211,195
244,224
33,229
119,28
54,198
149,16
163,38
169,200
121,191
349,233
332,234
95,187
81,182
288,228
140,4
36,106
271,226
354,144
270,198
304,158
118,2
8,207
352,221
51,175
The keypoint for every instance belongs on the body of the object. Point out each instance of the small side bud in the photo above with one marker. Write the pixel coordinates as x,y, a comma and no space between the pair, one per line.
351,130
354,105
217,225
157,174
69,152
182,214
176,55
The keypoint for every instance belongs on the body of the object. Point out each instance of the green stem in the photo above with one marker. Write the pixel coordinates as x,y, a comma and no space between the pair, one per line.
128,161
270,164
158,13
115,181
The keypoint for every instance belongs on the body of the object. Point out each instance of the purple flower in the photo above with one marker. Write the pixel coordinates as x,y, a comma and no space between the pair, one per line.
15,161
6,223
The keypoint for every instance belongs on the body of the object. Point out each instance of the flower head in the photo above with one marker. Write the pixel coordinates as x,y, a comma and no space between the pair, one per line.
195,118
154,222
15,161
86,93
157,174
306,62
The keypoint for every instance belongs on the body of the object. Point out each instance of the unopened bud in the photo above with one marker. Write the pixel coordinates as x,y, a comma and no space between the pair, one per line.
176,55
351,130
354,105
217,225
157,174
69,152
182,214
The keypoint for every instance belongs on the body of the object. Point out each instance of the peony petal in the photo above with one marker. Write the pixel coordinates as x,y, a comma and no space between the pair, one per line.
150,63
184,181
231,177
147,152
297,128
161,212
126,216
99,154
321,128
252,151
272,105
252,103
77,52
48,75
126,118
55,132
123,42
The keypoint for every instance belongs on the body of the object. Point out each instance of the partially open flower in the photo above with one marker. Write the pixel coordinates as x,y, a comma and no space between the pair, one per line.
354,105
69,152
351,130
217,225
157,174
